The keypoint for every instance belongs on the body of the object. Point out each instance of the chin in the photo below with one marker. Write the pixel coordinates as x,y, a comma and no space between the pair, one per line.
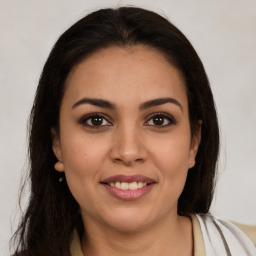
129,226
129,221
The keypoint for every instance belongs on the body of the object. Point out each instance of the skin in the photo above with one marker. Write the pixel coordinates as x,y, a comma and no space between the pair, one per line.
127,142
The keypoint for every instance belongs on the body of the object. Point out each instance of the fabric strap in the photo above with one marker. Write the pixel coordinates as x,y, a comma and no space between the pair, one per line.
224,238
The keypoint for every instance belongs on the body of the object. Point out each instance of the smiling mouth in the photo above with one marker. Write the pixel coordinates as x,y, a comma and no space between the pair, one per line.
129,187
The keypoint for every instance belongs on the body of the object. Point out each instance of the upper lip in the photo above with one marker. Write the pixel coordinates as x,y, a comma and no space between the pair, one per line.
128,179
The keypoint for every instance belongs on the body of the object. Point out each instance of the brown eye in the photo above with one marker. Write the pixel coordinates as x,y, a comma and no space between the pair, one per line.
161,120
95,121
158,120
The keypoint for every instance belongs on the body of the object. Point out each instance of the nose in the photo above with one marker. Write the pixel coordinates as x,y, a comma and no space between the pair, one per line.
128,147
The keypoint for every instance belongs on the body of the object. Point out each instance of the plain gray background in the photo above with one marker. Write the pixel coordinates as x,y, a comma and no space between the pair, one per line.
224,34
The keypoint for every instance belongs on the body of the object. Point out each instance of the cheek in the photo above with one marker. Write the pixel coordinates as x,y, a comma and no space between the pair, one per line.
172,153
172,159
82,160
81,153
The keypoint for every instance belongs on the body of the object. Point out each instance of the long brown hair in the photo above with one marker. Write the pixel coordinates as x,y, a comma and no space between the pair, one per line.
52,214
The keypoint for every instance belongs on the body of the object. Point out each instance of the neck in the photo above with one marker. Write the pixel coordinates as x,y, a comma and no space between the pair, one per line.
173,236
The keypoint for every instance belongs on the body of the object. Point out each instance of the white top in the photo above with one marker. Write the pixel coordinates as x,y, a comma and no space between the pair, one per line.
223,238
212,237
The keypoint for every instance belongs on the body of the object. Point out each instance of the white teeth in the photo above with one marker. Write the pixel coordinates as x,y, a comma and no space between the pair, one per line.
124,185
131,186
118,185
141,184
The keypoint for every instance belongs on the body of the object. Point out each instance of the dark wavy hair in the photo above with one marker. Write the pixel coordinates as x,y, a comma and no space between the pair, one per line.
52,213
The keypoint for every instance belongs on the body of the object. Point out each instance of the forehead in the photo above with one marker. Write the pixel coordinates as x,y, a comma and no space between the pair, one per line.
135,72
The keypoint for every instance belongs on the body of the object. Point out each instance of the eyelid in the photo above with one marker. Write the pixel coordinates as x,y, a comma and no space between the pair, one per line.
87,117
167,116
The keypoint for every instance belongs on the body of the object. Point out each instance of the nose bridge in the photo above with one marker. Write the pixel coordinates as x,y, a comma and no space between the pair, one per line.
128,144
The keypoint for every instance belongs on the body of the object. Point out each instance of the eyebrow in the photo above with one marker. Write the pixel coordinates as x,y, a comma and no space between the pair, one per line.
107,104
95,102
160,101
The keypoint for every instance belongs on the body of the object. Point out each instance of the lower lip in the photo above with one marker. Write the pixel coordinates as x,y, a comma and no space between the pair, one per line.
129,194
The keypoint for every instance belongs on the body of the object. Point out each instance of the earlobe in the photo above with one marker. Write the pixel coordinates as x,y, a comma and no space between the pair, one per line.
194,145
59,167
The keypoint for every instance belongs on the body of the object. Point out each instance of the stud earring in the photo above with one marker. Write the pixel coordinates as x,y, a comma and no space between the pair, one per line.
59,167
61,179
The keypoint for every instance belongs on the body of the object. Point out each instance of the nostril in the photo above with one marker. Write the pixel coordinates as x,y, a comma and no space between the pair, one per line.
138,159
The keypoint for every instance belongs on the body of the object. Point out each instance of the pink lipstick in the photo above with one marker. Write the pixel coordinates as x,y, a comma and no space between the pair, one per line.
128,187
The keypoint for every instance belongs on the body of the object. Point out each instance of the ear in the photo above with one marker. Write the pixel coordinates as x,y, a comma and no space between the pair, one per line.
56,147
194,145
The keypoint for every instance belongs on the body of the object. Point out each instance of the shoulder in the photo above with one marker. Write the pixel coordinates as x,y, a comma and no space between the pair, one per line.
220,235
249,230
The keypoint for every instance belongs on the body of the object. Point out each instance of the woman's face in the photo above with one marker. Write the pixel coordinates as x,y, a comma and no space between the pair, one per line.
125,138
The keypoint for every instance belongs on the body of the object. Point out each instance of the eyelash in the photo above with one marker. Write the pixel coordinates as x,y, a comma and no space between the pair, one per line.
84,120
88,117
170,119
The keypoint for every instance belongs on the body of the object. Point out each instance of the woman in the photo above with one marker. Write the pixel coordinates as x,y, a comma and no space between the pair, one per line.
123,145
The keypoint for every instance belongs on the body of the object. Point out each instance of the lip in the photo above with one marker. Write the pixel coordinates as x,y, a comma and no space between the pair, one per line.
128,179
128,194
